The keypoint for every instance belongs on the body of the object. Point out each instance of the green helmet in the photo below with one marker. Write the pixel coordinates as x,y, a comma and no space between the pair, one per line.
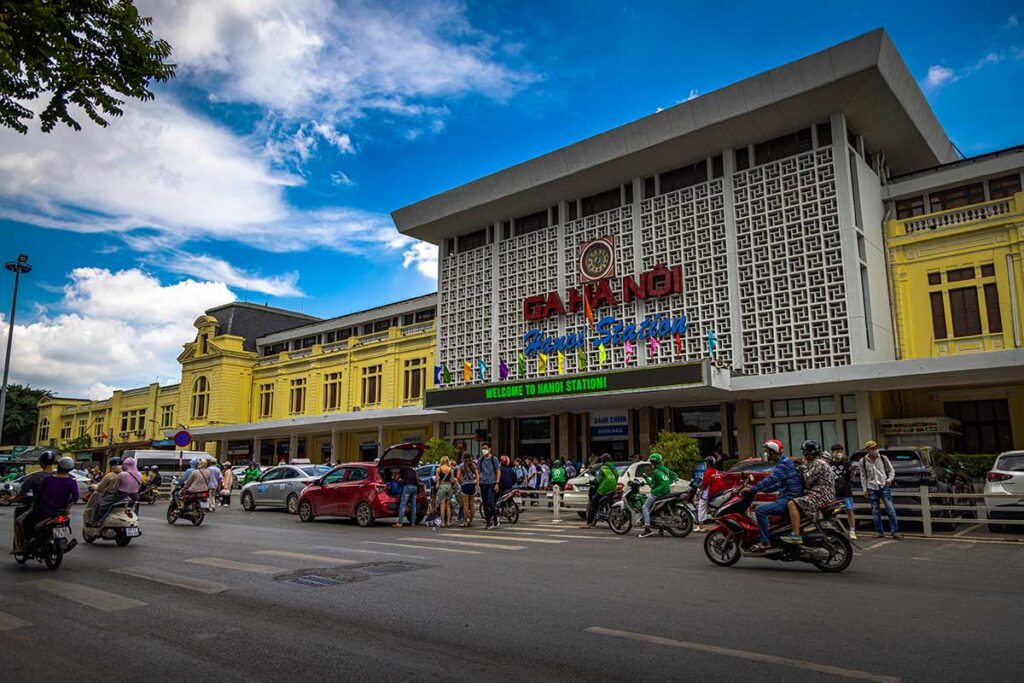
655,457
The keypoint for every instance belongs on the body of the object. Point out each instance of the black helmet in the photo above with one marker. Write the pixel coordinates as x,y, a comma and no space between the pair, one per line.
709,461
114,462
47,457
65,464
810,447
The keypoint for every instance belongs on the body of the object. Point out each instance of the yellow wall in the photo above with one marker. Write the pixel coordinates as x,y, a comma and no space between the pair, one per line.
973,236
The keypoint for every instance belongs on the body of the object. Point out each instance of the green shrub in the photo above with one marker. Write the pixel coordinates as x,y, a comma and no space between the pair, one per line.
681,452
976,464
436,448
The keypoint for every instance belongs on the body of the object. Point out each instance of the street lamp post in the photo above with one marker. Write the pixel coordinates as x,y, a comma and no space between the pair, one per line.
17,267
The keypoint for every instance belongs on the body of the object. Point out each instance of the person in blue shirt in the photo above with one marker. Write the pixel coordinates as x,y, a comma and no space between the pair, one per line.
784,478
193,465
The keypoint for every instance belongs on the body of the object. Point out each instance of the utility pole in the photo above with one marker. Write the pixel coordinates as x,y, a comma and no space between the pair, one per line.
17,267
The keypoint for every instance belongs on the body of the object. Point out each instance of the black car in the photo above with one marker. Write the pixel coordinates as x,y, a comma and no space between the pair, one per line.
917,466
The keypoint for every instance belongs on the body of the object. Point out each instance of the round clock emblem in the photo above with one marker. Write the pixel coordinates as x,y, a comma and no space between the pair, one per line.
597,260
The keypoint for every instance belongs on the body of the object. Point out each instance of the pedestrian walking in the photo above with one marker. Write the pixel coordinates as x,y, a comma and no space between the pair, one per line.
520,472
218,479
490,474
545,475
876,477
226,483
445,477
410,483
843,471
469,478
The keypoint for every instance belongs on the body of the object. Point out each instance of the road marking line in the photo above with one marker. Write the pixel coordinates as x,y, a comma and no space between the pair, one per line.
221,563
9,622
964,532
472,544
544,529
160,576
924,559
743,654
304,556
518,537
90,597
424,547
879,545
370,552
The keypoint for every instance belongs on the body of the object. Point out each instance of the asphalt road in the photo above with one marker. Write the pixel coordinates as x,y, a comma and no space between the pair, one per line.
534,601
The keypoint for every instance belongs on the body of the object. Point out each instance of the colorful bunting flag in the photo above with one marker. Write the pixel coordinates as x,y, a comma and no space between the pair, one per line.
503,369
587,310
561,363
581,359
712,343
437,374
482,368
679,344
446,373
522,365
467,371
542,363
629,351
654,346
602,354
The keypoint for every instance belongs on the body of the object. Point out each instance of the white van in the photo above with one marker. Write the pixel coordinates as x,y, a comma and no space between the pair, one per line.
170,463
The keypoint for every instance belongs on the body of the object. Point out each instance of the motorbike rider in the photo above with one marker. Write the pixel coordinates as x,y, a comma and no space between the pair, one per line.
55,494
26,497
819,489
179,484
155,480
121,483
710,472
507,480
606,482
252,473
660,480
785,479
558,477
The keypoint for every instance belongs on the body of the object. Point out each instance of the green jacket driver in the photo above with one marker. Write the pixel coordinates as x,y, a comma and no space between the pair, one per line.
660,480
558,475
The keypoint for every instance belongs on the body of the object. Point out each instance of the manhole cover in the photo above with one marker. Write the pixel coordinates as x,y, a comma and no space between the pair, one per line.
333,576
383,568
314,581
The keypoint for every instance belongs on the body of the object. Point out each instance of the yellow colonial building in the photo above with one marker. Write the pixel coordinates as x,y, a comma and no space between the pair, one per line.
268,384
956,252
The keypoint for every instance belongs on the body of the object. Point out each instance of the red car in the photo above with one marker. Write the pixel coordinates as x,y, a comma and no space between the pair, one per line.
360,489
749,471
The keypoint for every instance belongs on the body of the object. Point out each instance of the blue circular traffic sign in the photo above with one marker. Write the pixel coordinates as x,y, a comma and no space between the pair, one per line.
182,439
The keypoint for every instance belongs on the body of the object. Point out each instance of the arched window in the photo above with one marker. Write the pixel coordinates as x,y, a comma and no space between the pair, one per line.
44,430
200,398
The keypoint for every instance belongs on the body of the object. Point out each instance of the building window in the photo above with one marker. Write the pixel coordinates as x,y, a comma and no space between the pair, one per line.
985,426
424,316
649,187
97,427
332,391
955,197
995,318
372,376
964,311
266,399
83,426
783,146
687,176
910,207
307,342
530,223
206,344
274,349
200,398
415,378
44,430
473,240
297,397
167,415
716,167
960,274
603,201
1006,186
824,134
65,430
382,325
133,420
938,315
742,159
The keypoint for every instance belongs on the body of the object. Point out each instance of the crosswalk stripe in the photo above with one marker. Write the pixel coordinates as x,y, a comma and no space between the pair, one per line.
90,597
425,547
304,556
221,563
472,544
369,552
176,580
517,537
9,622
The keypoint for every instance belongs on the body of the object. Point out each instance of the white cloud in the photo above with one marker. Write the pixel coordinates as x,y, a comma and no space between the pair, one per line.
694,94
423,256
219,270
341,179
1012,21
110,330
938,76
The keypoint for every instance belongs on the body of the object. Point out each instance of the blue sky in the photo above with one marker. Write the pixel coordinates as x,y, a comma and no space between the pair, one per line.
267,168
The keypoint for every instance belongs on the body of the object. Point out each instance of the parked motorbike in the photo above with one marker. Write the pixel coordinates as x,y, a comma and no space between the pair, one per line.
48,542
735,531
669,513
120,525
194,507
509,506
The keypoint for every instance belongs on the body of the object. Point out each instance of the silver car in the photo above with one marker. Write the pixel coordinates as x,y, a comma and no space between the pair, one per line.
279,487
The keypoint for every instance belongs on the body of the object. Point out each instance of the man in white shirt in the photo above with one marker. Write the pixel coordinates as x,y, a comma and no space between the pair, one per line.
876,477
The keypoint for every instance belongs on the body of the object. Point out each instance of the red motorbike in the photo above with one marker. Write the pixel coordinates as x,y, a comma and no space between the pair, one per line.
826,544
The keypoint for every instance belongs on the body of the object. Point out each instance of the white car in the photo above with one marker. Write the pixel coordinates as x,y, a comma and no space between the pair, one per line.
577,488
1006,479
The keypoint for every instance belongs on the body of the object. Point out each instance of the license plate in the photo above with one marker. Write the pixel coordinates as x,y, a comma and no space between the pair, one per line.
132,531
203,505
62,532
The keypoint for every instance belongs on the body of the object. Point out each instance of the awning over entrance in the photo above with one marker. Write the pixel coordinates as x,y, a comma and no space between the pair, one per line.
319,424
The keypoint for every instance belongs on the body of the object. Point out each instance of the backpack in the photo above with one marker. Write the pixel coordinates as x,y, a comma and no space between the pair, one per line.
394,488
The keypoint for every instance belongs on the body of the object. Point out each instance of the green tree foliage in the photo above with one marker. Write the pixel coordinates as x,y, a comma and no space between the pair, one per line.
436,448
91,54
680,452
21,414
79,443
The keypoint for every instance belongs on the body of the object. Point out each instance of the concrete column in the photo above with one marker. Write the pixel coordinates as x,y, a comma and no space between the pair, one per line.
257,448
723,412
334,445
644,427
380,441
732,258
293,446
564,445
585,426
865,422
745,446
222,450
513,430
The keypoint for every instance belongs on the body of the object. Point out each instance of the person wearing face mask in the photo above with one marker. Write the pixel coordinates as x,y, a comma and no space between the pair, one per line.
876,477
109,491
843,471
490,477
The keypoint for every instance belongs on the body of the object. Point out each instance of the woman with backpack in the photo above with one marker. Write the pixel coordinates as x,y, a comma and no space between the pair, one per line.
469,479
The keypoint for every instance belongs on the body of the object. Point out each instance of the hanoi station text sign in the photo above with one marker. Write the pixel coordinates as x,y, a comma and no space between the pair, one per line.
683,374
